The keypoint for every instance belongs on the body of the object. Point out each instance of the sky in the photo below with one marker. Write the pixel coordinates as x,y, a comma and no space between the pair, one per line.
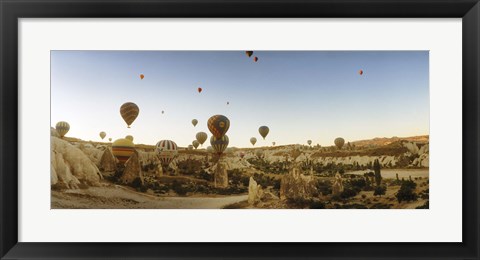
299,95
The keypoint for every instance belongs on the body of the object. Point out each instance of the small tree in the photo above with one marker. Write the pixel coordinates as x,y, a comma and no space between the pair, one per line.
407,191
376,169
380,190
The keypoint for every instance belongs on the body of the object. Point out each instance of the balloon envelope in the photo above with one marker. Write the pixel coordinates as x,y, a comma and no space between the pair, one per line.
201,137
219,144
339,142
309,142
249,53
253,140
102,135
195,144
263,130
142,76
122,149
129,137
360,72
166,151
62,128
194,122
199,90
218,125
129,112
255,59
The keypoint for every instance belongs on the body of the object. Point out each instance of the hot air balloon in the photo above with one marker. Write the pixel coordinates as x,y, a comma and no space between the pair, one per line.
249,53
219,144
129,112
242,155
210,149
129,137
122,149
110,139
253,140
195,144
263,130
273,143
199,90
190,147
218,125
360,72
166,151
163,111
255,59
259,153
142,76
228,103
339,142
194,122
309,142
201,137
102,135
62,128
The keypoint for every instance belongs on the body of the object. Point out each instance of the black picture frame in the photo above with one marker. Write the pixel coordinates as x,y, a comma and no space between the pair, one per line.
12,10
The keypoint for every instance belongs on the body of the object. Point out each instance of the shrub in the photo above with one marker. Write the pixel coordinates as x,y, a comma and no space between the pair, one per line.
380,190
407,191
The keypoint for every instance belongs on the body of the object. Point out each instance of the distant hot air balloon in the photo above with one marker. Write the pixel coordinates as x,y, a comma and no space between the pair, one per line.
102,135
228,103
190,147
194,122
195,144
242,155
309,142
339,142
129,112
129,137
199,90
249,53
201,137
360,72
110,139
219,144
259,153
253,140
142,76
263,130
210,149
122,149
62,128
273,143
218,125
166,151
255,59
163,111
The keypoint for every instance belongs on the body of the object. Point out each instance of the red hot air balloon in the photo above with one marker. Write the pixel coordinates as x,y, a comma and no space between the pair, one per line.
360,72
200,90
142,76
255,59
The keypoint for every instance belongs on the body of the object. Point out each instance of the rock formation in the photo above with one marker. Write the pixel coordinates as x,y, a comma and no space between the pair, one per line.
295,185
255,192
337,186
132,170
108,162
70,166
221,175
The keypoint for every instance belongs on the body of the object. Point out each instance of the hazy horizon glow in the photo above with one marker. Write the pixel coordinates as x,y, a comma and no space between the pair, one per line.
299,95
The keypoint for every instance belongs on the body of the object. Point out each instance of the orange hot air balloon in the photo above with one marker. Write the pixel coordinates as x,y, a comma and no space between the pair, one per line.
200,90
142,76
255,59
360,72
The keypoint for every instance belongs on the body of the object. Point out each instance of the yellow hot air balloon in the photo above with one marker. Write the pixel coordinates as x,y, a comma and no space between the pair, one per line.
62,128
122,149
253,140
102,135
201,137
129,112
218,125
263,130
194,122
339,142
129,137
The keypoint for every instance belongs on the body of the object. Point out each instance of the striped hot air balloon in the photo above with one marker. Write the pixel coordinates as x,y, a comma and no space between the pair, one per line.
166,151
102,135
201,137
219,144
62,128
218,125
129,112
122,149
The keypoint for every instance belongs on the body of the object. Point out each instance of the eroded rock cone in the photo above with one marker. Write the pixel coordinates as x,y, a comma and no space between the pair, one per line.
255,192
295,185
221,175
108,162
337,187
133,172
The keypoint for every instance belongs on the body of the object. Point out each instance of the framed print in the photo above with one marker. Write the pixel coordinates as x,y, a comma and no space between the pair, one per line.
220,129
